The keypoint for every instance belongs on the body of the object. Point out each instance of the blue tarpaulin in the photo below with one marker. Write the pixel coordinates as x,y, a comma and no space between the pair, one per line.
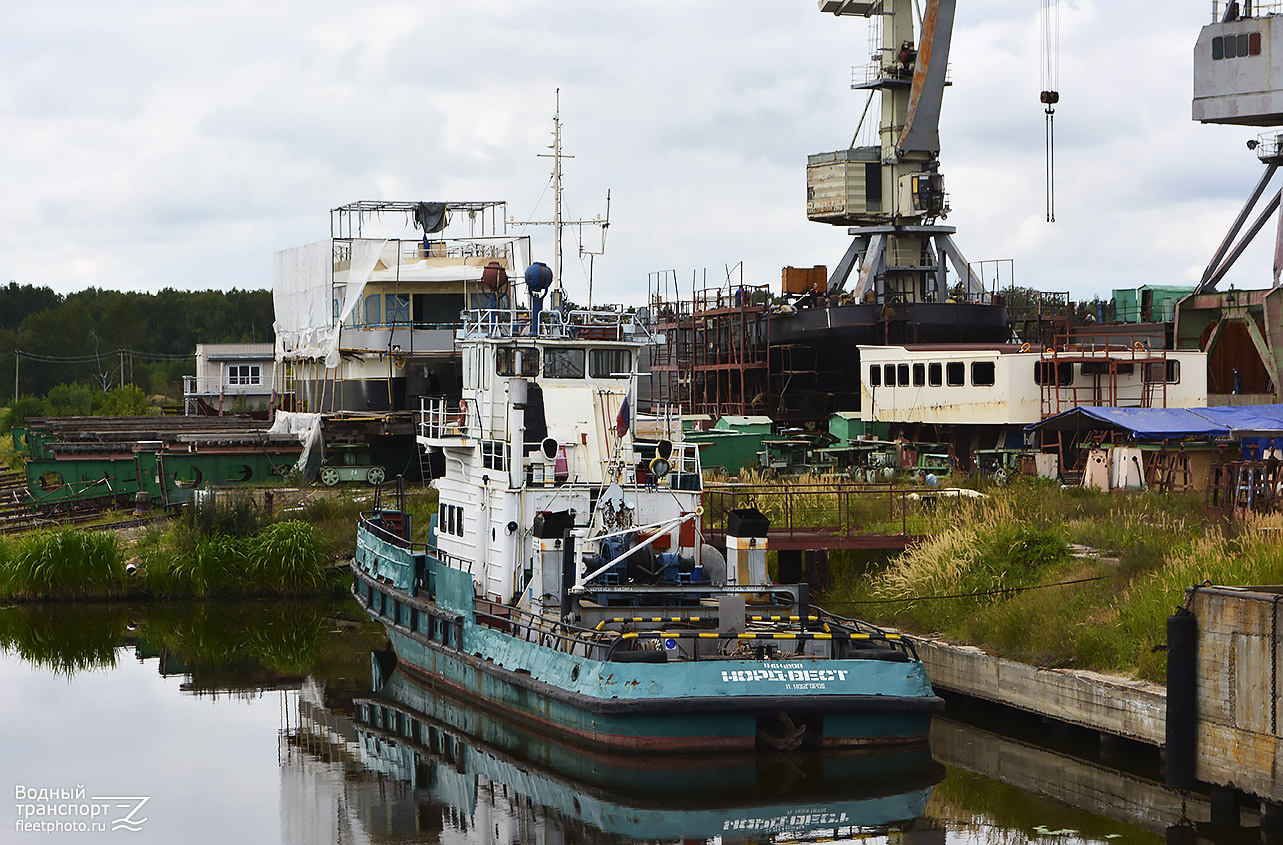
1233,421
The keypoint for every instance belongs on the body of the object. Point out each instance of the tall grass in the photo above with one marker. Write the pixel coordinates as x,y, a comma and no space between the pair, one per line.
999,573
67,563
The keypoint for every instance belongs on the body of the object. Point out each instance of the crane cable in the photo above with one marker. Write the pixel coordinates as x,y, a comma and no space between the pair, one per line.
1050,18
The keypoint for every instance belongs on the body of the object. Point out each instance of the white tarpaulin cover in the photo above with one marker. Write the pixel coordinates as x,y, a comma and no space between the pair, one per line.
305,287
307,428
303,293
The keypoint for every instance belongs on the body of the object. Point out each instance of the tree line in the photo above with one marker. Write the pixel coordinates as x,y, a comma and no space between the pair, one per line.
101,347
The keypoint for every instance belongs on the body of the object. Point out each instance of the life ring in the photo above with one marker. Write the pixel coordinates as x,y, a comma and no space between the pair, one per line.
1139,346
462,419
1024,347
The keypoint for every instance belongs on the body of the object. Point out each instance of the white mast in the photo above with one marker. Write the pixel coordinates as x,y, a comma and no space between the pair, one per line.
557,222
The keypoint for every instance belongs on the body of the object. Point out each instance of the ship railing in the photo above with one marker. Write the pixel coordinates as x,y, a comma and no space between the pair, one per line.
440,416
372,522
838,511
574,325
601,643
773,639
684,472
1259,8
541,630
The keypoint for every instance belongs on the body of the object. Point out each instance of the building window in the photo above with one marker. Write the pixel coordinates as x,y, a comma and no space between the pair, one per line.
563,363
919,375
982,373
610,363
373,310
244,374
955,373
935,375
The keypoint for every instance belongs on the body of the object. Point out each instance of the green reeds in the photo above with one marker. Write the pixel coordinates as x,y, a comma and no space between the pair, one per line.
64,564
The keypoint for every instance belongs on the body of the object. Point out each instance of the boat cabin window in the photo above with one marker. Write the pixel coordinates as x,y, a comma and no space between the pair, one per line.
888,375
875,375
373,310
1051,372
563,363
1169,371
610,363
935,375
919,375
955,373
902,374
511,362
982,373
529,362
396,307
450,520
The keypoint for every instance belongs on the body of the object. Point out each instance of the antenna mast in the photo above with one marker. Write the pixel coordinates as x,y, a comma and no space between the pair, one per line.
557,222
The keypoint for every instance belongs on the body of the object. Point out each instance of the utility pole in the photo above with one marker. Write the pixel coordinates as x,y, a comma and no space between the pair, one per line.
15,375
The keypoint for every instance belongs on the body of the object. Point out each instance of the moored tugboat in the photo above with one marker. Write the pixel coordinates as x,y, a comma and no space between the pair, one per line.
565,585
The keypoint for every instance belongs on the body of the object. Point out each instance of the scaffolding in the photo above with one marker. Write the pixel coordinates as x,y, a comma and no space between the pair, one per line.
1110,375
715,361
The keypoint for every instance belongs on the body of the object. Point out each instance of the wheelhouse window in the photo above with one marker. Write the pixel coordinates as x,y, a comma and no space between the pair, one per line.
902,374
610,363
935,375
529,362
563,363
982,373
888,375
244,374
919,375
875,375
955,373
505,361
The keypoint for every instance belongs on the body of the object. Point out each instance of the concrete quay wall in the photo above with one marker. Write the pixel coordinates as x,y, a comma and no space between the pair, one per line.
1121,707
1237,688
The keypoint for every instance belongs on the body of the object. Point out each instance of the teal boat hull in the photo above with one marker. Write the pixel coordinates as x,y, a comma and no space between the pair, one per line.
429,612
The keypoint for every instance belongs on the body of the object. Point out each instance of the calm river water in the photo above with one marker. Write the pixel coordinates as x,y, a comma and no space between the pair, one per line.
256,722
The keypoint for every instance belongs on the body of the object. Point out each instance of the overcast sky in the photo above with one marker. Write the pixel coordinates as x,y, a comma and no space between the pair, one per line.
149,144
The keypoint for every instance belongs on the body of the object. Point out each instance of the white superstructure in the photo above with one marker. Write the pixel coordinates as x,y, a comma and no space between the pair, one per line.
544,440
1015,385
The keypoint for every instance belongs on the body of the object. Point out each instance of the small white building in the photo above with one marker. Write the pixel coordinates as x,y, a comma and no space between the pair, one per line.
231,378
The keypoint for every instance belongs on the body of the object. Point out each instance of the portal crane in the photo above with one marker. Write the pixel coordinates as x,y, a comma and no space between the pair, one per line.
892,195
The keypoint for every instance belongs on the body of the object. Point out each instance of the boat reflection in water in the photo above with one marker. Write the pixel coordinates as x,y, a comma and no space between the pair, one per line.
460,769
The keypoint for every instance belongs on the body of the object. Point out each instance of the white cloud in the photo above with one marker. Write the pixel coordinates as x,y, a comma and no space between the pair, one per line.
150,144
